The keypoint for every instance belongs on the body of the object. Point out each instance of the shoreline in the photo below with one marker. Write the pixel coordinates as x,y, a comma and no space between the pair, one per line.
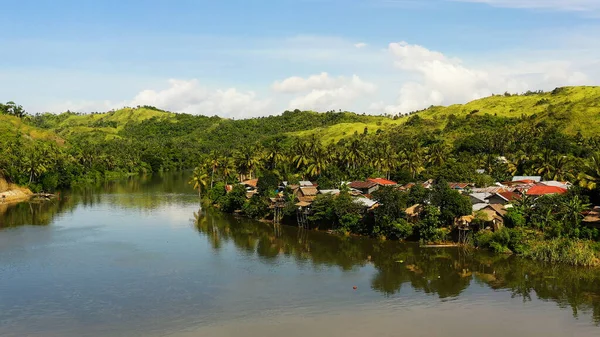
15,195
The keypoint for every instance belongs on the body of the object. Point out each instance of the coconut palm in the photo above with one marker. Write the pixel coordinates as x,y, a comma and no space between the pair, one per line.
215,162
227,168
199,180
247,160
561,169
318,162
274,156
302,154
590,177
544,163
573,211
437,154
412,160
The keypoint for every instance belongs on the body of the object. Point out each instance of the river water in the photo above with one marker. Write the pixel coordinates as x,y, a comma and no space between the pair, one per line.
141,258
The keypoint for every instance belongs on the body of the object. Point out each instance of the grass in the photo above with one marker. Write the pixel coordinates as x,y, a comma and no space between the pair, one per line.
577,108
10,126
574,252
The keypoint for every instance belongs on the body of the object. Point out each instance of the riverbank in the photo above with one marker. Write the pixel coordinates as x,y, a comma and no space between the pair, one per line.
10,193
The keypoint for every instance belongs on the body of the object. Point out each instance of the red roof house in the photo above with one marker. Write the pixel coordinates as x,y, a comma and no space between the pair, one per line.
383,182
539,190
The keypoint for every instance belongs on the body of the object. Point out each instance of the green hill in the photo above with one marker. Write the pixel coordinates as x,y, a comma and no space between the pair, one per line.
573,109
565,121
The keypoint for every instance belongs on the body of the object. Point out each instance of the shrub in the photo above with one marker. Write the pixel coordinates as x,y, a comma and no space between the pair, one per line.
257,207
234,200
514,218
402,229
574,252
216,193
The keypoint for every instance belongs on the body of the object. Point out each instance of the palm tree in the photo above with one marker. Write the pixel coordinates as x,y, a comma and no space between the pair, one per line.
437,154
516,163
590,177
199,180
247,160
412,159
574,208
354,154
544,163
227,168
215,163
274,156
561,169
302,154
318,163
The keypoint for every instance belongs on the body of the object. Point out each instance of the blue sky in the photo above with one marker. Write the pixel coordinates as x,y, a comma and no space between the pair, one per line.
258,57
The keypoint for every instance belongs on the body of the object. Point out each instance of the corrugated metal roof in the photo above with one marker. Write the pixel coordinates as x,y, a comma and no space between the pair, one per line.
545,190
536,179
362,184
383,182
365,202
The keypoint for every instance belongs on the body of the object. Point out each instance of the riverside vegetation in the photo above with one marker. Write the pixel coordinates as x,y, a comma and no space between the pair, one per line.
552,134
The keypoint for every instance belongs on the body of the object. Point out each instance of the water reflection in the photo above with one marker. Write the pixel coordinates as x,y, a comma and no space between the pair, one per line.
443,272
146,192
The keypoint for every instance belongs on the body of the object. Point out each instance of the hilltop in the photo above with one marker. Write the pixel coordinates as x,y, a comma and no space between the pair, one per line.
573,109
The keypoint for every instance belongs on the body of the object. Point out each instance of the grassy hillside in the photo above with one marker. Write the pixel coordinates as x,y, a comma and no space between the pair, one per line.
573,109
10,126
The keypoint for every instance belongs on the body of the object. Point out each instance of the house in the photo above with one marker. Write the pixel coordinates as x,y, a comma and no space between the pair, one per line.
491,189
460,186
413,213
479,198
366,203
383,182
503,198
250,184
562,184
540,190
479,206
527,179
333,192
306,194
492,215
365,187
592,218
306,183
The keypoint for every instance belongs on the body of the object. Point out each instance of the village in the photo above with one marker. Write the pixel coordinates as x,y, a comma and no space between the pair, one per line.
489,204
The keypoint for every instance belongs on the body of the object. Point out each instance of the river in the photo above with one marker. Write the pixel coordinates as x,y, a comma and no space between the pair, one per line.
140,257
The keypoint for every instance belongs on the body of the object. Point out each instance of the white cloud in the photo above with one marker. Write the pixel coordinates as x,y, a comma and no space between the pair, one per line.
569,5
329,93
360,45
185,96
440,80
296,84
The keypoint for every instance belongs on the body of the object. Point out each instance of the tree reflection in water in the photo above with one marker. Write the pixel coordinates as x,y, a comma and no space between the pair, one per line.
445,272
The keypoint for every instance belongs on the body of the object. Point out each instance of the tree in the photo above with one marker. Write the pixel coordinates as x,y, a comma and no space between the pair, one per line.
215,163
544,163
199,180
429,227
235,199
451,203
247,160
267,183
437,154
590,176
10,108
573,207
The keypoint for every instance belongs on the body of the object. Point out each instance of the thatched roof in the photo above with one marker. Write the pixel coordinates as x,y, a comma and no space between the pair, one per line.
413,210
